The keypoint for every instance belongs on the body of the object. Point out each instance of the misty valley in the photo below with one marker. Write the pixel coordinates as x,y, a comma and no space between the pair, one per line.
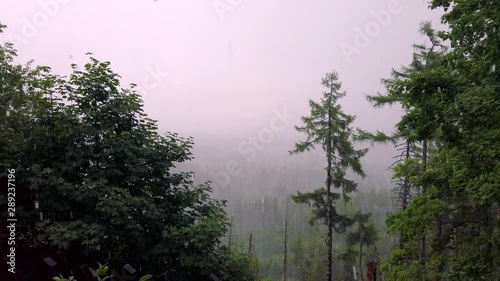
248,150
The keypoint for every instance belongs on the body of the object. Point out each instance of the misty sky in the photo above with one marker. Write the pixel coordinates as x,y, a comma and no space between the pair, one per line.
219,70
224,60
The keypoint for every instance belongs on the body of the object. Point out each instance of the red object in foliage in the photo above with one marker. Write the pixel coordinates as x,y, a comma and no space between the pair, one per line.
371,273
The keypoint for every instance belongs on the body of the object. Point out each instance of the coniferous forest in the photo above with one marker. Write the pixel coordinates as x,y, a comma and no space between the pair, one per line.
94,188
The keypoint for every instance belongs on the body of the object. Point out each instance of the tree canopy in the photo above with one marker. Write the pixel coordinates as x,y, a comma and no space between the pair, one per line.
95,179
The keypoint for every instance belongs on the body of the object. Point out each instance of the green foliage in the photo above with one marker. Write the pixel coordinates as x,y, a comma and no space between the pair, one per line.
308,261
349,258
404,265
298,258
62,278
146,277
329,127
239,265
85,143
318,200
101,272
310,258
451,102
364,235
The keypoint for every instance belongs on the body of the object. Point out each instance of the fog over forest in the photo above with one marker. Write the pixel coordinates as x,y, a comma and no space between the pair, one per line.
222,74
192,139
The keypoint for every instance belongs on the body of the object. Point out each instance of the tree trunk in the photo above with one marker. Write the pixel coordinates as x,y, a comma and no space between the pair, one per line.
328,196
423,246
406,191
230,234
439,235
250,245
361,251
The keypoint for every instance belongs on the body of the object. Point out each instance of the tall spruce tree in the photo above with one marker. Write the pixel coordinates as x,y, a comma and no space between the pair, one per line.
415,128
330,128
455,104
471,155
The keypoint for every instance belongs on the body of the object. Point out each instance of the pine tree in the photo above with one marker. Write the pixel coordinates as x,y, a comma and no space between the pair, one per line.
451,101
329,127
471,155
250,244
415,129
298,261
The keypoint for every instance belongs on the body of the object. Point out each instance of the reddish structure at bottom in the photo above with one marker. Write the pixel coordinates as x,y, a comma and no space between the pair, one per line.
371,273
